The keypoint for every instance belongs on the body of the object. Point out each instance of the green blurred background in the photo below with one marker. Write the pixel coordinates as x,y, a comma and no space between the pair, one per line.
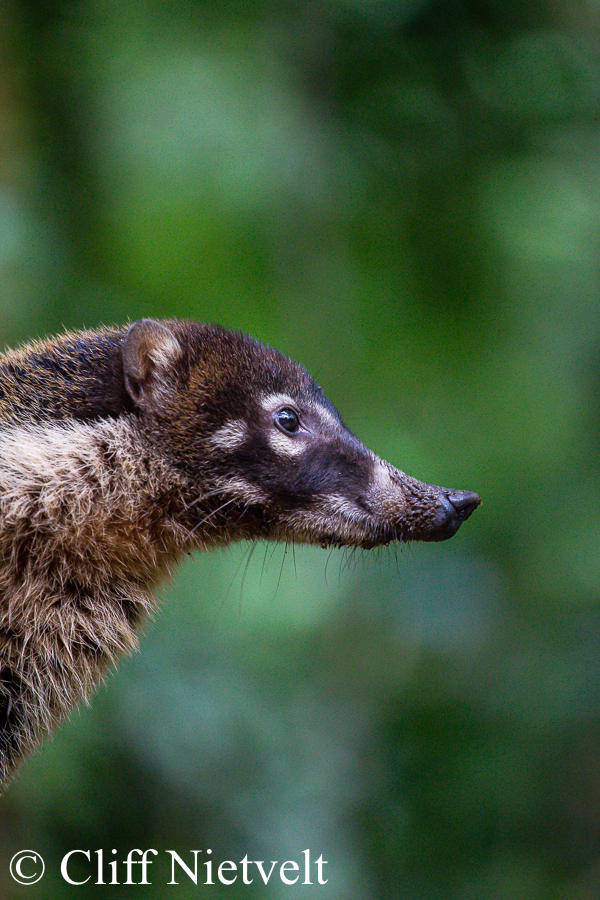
406,198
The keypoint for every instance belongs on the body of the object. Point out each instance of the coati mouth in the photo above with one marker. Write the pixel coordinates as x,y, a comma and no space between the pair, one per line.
410,510
454,508
438,516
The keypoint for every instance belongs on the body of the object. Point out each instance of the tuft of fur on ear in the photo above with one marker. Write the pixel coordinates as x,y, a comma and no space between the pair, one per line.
150,351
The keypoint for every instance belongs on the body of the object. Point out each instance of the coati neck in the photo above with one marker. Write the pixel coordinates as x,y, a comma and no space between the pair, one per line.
93,497
90,519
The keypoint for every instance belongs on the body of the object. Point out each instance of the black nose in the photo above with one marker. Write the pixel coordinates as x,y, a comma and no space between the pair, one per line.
454,507
464,502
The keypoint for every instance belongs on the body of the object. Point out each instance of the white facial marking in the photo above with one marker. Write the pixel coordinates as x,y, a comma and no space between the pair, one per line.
327,417
271,402
243,489
286,445
386,496
381,476
334,516
282,444
339,505
295,445
230,436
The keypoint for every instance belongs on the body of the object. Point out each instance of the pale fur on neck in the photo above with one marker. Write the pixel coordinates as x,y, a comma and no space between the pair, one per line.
87,525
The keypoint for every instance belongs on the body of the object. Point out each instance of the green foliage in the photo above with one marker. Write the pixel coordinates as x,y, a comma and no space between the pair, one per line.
405,197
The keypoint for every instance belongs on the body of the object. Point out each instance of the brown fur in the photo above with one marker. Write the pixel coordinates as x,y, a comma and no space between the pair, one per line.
82,539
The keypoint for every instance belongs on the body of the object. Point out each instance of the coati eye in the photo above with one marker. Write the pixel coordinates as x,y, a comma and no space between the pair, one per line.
288,420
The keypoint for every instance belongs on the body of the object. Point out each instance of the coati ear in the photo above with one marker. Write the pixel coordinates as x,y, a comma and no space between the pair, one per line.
149,352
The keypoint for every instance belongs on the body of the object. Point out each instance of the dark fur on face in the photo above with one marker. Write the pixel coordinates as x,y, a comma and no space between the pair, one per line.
120,449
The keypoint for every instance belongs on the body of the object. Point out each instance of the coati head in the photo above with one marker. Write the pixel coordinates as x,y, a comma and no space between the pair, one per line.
263,453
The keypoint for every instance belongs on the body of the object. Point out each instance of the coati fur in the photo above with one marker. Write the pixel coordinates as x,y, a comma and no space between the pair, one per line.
121,449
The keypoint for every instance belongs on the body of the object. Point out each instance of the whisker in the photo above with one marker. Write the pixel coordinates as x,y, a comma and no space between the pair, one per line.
211,514
327,562
245,572
262,570
241,515
282,564
236,573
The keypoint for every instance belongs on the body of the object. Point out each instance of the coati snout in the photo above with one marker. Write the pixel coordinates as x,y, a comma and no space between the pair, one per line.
120,449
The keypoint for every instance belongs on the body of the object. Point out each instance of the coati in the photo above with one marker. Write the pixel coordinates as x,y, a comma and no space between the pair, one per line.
122,448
